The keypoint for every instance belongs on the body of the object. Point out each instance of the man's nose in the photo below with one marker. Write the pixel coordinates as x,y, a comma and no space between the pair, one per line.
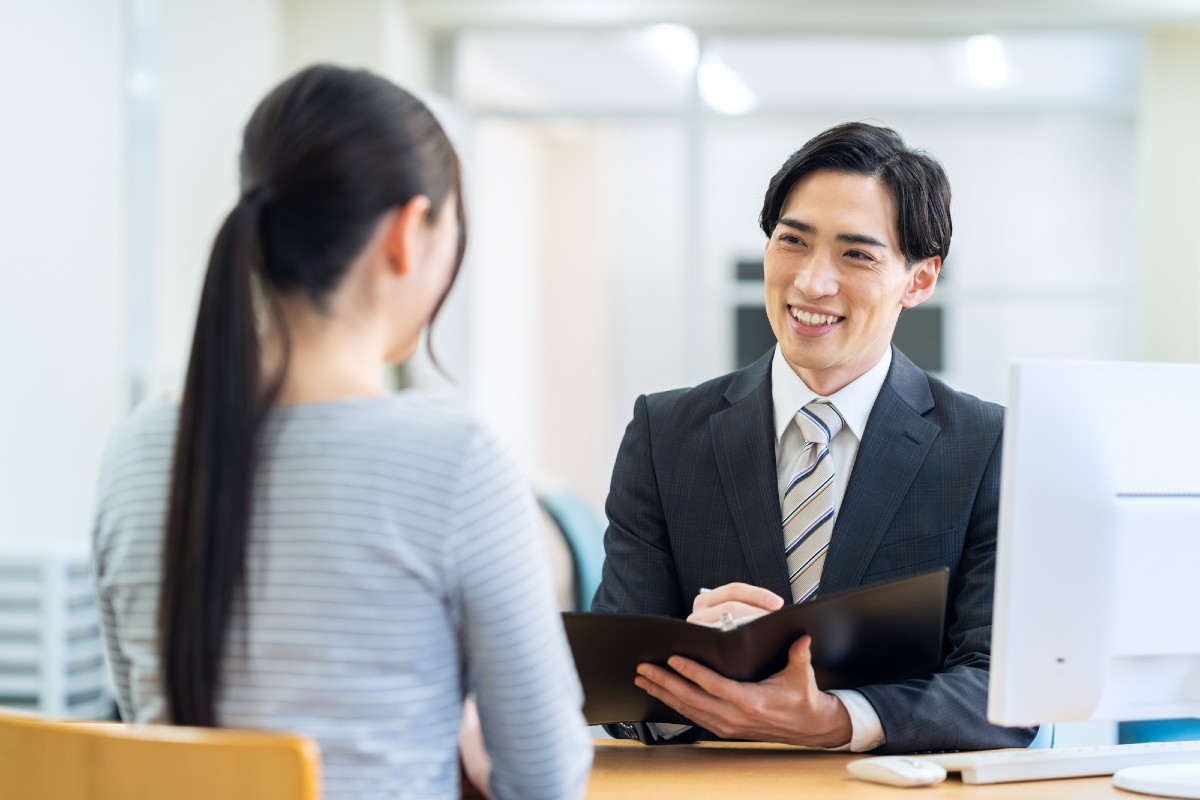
817,276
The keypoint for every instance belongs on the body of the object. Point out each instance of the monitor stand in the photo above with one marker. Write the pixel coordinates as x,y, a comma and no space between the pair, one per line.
1161,780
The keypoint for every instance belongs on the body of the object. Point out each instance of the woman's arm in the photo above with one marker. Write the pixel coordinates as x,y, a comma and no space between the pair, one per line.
516,655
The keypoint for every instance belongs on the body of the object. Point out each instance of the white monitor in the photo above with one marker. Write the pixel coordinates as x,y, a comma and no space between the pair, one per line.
1097,606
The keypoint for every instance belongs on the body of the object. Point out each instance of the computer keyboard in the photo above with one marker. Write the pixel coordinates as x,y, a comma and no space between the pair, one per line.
1005,766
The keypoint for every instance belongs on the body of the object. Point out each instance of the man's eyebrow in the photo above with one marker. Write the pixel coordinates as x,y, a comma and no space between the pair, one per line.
803,227
860,238
849,238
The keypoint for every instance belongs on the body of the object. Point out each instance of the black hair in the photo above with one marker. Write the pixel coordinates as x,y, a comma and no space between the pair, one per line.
915,179
324,156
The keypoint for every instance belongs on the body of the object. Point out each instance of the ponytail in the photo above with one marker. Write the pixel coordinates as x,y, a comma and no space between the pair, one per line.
204,553
324,155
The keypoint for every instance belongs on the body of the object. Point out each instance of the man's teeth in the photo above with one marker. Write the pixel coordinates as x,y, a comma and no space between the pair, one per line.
814,320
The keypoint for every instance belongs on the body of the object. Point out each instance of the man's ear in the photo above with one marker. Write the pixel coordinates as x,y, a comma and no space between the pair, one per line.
404,236
922,279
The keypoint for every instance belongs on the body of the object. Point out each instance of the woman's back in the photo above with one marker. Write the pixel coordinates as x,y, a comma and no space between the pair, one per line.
393,560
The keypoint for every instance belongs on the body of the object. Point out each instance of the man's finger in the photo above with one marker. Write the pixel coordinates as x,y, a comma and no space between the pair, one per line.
693,700
799,664
671,689
714,684
800,653
738,593
712,615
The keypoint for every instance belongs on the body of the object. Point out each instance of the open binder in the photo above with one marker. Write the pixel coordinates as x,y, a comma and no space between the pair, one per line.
879,633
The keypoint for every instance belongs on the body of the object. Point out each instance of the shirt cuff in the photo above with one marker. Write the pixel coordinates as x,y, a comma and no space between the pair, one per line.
866,729
668,730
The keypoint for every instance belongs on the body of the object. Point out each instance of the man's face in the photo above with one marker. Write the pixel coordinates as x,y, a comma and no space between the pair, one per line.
836,279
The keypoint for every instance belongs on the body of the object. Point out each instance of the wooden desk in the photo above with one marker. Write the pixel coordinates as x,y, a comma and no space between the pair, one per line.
626,770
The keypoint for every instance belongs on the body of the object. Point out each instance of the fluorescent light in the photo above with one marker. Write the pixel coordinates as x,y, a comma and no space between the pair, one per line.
719,85
986,62
722,88
676,45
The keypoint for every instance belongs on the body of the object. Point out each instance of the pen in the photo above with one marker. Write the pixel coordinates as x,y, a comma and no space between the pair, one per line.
704,589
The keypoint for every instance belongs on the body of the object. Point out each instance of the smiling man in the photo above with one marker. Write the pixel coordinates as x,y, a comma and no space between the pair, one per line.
831,462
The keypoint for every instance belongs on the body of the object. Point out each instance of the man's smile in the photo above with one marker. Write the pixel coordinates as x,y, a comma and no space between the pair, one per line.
812,320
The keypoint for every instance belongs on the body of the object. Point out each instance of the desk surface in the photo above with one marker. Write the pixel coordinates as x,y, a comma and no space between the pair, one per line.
626,770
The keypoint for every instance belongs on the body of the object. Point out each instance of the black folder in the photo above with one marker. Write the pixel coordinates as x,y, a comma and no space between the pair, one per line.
879,633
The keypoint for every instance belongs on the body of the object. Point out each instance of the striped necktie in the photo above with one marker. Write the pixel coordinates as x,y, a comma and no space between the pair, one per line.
808,500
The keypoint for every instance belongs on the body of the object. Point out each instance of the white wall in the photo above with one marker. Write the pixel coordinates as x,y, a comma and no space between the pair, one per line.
578,290
218,58
1170,205
652,320
578,281
62,229
374,34
74,328
500,278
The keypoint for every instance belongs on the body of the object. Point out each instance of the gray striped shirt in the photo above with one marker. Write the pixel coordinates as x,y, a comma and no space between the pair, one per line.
395,563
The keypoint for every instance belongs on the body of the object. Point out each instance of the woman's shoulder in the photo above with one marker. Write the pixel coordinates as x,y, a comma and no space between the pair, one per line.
151,424
139,451
424,410
411,421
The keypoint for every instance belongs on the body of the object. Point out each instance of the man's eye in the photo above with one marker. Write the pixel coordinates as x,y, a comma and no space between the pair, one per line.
789,238
859,255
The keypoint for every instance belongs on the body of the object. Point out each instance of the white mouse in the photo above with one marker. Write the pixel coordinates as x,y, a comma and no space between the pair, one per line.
897,770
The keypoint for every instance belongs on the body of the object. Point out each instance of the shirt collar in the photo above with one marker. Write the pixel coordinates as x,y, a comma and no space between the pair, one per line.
854,401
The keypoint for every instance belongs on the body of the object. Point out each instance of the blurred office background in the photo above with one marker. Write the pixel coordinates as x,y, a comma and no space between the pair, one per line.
617,152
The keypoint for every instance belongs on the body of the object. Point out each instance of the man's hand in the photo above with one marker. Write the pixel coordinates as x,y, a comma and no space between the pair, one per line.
786,707
739,600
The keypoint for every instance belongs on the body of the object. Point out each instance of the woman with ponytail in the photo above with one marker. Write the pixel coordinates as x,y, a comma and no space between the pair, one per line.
292,547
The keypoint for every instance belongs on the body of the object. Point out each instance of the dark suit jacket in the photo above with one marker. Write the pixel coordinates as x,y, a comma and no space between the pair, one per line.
694,502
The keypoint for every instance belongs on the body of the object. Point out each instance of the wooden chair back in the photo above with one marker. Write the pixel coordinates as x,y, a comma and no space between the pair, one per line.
45,759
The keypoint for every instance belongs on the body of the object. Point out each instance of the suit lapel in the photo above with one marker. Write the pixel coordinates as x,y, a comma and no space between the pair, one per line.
896,440
744,441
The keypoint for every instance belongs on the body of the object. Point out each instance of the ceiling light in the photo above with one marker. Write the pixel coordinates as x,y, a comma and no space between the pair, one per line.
676,45
986,62
722,88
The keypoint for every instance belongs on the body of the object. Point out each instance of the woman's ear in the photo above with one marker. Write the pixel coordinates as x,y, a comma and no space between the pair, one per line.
404,238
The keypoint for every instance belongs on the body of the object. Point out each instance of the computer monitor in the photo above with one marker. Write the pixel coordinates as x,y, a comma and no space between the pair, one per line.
1097,605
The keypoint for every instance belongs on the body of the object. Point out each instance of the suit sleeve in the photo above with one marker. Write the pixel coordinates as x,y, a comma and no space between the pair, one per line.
948,710
639,574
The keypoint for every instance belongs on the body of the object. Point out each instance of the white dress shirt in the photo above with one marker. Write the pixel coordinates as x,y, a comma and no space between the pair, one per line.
854,402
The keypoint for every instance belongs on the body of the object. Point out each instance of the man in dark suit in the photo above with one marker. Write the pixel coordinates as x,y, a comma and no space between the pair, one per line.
710,481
